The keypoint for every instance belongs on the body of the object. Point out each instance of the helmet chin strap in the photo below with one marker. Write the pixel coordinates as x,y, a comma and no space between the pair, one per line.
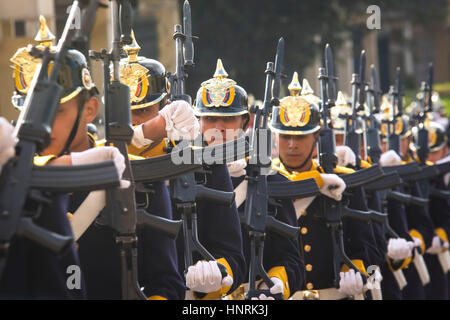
73,132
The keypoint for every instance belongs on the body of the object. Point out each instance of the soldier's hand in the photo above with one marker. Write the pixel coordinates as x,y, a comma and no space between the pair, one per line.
333,186
399,249
205,276
345,156
275,289
181,123
390,158
262,296
100,154
7,142
351,283
237,168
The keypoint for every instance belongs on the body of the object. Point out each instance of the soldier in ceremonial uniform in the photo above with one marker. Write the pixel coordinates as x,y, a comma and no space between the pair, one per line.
297,124
392,254
157,260
439,212
226,119
156,121
32,271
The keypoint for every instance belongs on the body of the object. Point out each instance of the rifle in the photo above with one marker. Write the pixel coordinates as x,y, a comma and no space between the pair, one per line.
333,211
184,189
22,183
352,137
395,92
394,175
255,218
371,134
120,213
81,38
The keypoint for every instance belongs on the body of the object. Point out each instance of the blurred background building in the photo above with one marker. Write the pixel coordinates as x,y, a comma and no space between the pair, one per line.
244,35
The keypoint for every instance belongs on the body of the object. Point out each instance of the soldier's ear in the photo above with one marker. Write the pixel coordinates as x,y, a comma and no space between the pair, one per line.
90,109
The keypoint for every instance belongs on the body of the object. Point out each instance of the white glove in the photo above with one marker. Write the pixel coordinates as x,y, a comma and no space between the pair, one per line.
378,276
237,168
345,156
276,288
139,141
437,246
7,142
417,242
333,186
262,296
399,248
351,283
390,158
205,276
181,122
100,154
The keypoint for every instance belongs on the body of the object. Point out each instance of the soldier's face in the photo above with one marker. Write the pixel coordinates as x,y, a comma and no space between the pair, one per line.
142,115
404,145
295,149
64,122
217,130
339,139
438,155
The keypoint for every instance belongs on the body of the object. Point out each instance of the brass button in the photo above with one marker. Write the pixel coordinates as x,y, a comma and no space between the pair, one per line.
308,267
309,286
304,230
307,248
303,212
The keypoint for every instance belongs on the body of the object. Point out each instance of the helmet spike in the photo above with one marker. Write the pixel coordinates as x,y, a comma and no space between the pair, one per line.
220,71
295,87
306,88
44,35
133,49
340,101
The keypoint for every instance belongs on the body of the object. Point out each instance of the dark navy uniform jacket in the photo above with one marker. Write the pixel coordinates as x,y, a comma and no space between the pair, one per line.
33,272
157,260
219,231
316,243
440,215
279,251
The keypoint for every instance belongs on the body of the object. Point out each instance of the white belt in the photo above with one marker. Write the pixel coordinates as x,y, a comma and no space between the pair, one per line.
240,193
400,279
87,212
444,260
421,268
